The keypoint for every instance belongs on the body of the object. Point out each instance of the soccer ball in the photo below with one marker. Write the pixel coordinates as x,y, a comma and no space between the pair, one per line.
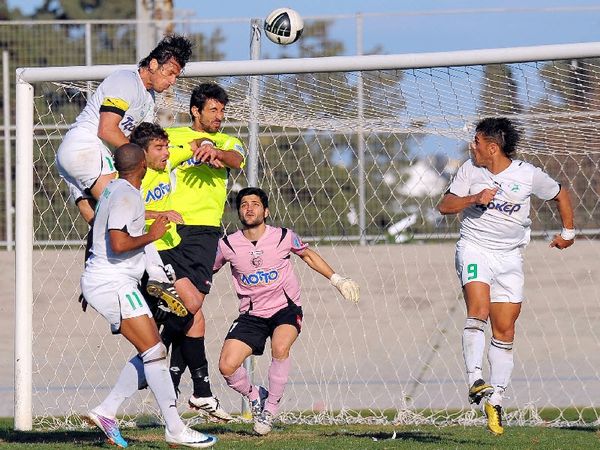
284,26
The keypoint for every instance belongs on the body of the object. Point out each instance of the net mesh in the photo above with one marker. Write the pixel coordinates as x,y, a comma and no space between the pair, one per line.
397,356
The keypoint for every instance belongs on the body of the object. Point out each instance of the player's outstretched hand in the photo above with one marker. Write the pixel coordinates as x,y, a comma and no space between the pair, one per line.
347,287
159,227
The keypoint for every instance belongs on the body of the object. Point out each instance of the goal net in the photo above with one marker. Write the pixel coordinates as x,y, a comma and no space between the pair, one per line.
355,153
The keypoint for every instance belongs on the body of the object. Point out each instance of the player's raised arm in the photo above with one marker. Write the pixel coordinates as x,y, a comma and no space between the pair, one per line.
347,287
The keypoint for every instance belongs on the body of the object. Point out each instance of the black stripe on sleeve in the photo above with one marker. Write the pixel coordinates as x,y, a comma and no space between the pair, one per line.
112,109
284,232
227,243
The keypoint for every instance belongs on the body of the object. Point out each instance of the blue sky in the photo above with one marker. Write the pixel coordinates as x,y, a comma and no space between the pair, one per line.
427,25
407,26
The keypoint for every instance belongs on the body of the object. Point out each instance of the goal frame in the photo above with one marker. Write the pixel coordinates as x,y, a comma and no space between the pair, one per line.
24,232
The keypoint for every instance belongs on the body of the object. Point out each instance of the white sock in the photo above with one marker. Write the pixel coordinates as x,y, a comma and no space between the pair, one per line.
130,380
473,344
500,357
159,380
154,265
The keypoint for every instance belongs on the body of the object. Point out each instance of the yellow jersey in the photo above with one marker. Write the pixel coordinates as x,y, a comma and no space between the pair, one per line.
156,191
199,190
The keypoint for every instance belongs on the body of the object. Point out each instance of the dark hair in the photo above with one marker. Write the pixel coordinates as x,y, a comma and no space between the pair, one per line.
500,130
128,157
264,199
146,132
173,46
205,91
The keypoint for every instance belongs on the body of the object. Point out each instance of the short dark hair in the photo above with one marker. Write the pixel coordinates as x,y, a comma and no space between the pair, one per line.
502,131
146,132
264,199
128,157
172,46
205,91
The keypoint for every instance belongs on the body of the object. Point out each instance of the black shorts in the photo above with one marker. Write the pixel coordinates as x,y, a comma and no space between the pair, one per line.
195,255
254,331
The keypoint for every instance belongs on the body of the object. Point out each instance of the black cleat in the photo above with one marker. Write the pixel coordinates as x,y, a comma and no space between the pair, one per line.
479,390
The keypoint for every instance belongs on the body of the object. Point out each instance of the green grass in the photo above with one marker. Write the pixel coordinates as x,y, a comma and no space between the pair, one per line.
331,437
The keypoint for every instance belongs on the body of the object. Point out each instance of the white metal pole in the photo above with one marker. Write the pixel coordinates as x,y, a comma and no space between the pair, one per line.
24,256
252,163
8,206
88,54
252,167
145,36
335,63
362,193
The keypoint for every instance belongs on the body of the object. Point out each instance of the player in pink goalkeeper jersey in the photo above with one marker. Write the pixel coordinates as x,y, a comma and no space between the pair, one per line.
270,306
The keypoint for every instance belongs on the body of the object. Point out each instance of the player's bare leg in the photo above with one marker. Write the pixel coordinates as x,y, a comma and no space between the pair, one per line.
233,355
500,356
143,334
282,340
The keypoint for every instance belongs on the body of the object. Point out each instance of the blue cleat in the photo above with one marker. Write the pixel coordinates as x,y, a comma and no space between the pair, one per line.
109,427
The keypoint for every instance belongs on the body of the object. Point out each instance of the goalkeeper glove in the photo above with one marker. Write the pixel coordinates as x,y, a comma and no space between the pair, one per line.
347,287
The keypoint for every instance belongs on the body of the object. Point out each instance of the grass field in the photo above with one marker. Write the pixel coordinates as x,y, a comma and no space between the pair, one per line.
321,437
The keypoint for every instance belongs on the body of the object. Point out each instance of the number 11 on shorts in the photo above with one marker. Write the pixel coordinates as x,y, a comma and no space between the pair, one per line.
472,271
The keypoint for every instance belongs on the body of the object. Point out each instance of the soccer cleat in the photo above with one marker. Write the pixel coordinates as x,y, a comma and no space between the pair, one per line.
494,418
479,390
167,292
190,438
109,427
257,406
264,424
210,406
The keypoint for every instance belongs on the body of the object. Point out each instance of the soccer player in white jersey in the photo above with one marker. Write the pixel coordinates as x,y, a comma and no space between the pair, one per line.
270,306
122,101
110,285
492,191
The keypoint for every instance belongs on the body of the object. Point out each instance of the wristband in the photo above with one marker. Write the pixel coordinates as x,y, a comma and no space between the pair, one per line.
567,234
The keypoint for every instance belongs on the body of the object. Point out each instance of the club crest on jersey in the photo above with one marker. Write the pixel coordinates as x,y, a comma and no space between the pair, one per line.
259,277
256,258
515,187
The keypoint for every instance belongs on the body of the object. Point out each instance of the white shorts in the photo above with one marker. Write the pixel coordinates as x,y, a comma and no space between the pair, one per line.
114,299
502,271
81,158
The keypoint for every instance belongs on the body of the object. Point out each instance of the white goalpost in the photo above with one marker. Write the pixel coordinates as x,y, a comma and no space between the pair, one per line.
355,153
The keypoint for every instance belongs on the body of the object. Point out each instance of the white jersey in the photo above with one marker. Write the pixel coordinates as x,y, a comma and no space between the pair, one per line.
502,224
120,207
124,93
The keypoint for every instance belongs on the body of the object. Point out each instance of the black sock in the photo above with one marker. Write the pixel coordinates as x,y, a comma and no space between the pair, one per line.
177,365
194,355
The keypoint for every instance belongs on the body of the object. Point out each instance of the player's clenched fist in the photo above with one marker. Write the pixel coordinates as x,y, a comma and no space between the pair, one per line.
485,196
347,287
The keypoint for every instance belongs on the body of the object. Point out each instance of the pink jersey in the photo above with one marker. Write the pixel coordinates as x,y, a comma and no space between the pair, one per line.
262,271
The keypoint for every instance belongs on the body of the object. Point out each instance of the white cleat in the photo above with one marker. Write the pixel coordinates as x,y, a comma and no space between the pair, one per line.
210,406
190,438
264,424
